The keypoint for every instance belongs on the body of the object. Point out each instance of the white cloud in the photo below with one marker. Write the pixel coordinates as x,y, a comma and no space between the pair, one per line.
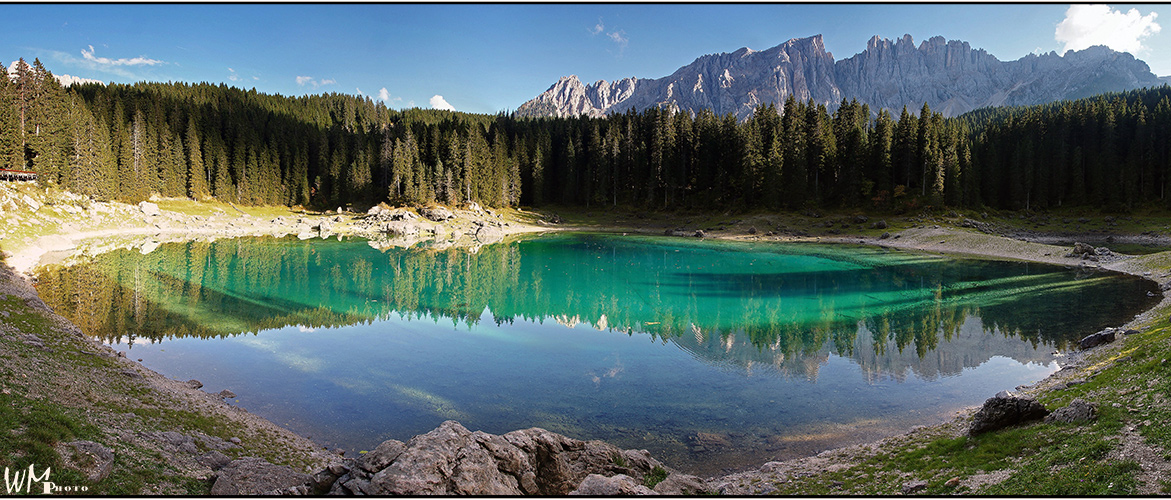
67,80
619,37
105,61
124,67
384,96
598,28
1098,24
303,80
438,102
232,75
360,91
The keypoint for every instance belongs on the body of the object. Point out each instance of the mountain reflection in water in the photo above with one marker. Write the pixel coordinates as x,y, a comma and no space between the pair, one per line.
797,344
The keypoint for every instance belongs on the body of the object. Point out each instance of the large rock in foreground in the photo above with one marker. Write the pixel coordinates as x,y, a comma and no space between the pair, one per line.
1005,410
451,460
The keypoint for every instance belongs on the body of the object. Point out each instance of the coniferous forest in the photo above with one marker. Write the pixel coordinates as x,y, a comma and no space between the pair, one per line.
196,140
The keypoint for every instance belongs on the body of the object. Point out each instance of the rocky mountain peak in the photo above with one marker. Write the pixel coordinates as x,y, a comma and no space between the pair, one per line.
948,75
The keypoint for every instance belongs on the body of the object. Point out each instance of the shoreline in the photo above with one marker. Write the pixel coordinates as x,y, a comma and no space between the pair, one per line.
945,240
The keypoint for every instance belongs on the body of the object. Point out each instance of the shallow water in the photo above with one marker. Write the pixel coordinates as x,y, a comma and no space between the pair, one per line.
712,355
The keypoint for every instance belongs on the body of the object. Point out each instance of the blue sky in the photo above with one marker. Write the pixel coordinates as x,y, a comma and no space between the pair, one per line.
489,58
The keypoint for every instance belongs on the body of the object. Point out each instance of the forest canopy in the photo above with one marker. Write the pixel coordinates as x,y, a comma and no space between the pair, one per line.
126,142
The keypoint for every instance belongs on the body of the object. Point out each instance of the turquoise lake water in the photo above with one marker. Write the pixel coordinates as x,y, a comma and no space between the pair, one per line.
712,355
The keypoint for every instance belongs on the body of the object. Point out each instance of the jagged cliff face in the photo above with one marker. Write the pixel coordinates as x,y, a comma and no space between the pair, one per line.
949,76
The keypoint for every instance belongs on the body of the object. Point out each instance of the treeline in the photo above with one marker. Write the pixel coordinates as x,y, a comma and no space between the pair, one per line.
197,140
1111,151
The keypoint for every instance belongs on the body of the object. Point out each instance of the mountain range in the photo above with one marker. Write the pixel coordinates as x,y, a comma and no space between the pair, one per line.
949,76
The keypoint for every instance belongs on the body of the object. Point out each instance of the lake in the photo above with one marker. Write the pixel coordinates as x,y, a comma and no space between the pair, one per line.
712,355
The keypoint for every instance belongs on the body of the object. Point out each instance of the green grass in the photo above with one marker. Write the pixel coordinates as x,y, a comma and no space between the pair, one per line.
618,459
1041,459
654,477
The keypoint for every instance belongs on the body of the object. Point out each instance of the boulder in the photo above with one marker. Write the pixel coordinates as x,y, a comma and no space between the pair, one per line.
489,234
32,204
1096,339
453,460
148,208
445,461
214,460
382,456
1005,410
683,485
1078,410
596,485
437,214
1082,250
400,228
90,458
879,225
912,487
400,214
254,476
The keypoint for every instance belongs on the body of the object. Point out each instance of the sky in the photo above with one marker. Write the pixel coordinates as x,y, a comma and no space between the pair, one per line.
487,58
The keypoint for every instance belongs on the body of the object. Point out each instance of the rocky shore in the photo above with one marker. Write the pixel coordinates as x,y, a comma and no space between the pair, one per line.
202,444
44,227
